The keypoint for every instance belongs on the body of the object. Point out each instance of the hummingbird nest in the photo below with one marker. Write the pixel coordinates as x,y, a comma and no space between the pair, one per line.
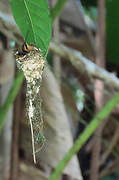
32,65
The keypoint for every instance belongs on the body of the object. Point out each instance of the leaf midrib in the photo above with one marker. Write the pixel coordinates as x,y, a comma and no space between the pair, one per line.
27,10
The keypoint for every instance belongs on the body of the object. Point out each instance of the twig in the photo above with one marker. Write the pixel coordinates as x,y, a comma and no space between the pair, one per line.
110,169
33,144
100,61
15,138
114,141
84,65
87,30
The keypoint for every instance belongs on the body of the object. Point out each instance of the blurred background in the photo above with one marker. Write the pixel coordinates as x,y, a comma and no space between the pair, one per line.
80,77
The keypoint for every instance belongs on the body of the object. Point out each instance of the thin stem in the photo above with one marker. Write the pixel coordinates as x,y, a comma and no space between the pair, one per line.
98,95
11,97
33,145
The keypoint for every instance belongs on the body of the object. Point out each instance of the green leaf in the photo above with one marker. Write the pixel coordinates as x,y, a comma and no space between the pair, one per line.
33,18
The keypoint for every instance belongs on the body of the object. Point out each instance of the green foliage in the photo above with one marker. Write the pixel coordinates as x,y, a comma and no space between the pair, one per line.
112,19
33,17
85,136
